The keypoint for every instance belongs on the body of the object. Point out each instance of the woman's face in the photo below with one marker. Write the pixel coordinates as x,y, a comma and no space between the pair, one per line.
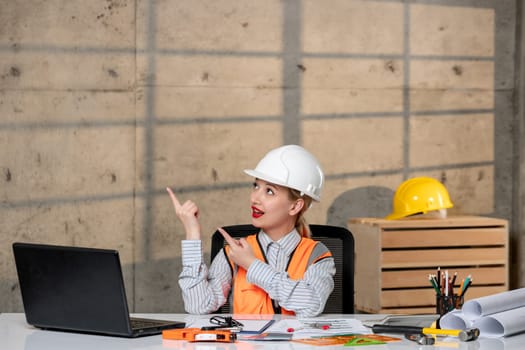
272,208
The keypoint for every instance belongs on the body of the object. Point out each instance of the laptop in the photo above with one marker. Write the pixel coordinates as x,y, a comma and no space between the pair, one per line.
78,289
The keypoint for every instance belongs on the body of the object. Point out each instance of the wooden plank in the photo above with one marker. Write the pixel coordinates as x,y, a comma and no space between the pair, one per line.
366,309
419,278
427,297
451,221
444,237
443,257
400,311
408,311
367,272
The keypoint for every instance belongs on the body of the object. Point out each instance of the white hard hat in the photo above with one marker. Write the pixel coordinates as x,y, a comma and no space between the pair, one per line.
291,166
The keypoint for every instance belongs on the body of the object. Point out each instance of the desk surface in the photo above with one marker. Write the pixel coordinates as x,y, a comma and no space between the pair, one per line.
16,334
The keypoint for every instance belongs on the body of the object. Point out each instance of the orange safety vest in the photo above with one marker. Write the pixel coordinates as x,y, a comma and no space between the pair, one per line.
251,299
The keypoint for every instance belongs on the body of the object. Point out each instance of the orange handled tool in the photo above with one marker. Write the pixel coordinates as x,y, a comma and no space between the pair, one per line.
197,334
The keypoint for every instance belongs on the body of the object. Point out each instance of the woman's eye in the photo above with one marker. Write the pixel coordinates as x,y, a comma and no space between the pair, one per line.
269,191
255,186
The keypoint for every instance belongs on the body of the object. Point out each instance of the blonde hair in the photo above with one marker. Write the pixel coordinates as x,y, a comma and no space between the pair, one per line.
300,223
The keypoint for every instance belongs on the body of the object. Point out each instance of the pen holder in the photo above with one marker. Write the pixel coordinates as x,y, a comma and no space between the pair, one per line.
446,303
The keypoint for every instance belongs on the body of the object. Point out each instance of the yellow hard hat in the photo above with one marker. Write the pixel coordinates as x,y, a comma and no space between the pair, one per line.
419,195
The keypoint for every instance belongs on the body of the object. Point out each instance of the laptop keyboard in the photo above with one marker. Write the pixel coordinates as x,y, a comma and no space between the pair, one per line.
138,323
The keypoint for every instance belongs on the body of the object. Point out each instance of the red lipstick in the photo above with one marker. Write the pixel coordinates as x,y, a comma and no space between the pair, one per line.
256,213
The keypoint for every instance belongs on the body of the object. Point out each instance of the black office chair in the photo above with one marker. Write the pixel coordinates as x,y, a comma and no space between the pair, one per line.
339,240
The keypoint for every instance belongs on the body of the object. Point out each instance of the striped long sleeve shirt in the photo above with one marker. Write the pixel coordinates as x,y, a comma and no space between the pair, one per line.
205,290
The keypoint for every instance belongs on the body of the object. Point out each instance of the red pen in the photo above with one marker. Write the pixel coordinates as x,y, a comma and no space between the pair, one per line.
323,326
291,329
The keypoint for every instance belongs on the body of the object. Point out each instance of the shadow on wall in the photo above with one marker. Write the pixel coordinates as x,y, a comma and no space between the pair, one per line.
369,201
156,288
156,285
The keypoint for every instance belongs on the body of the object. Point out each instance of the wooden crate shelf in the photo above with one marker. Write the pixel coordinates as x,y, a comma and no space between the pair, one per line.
395,257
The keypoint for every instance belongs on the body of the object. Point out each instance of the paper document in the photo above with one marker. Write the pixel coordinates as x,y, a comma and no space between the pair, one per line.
491,304
497,315
316,327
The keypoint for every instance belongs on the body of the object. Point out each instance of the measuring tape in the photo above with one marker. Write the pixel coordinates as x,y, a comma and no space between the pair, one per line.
197,334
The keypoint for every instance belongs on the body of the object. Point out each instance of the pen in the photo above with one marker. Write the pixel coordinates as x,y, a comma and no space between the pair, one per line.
323,326
319,325
291,329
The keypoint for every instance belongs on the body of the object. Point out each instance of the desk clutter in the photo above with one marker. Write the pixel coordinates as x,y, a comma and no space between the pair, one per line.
317,331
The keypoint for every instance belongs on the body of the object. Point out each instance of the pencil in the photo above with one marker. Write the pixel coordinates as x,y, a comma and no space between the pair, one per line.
454,278
468,285
434,285
461,287
446,283
435,281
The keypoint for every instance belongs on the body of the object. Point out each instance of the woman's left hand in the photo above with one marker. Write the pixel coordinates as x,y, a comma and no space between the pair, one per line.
241,252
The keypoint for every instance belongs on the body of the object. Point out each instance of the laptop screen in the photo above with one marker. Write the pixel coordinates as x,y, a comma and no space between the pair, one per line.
72,288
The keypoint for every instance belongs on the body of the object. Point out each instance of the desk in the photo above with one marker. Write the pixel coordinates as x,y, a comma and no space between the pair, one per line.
16,334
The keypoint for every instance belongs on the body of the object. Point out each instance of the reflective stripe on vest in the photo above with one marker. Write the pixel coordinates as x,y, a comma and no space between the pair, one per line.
249,298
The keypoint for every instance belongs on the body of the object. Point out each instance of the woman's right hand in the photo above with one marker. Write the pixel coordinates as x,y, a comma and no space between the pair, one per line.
188,214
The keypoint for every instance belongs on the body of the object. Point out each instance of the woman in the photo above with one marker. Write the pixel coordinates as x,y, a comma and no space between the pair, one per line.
277,270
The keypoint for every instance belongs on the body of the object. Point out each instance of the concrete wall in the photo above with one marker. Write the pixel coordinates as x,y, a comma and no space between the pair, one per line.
104,103
519,131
